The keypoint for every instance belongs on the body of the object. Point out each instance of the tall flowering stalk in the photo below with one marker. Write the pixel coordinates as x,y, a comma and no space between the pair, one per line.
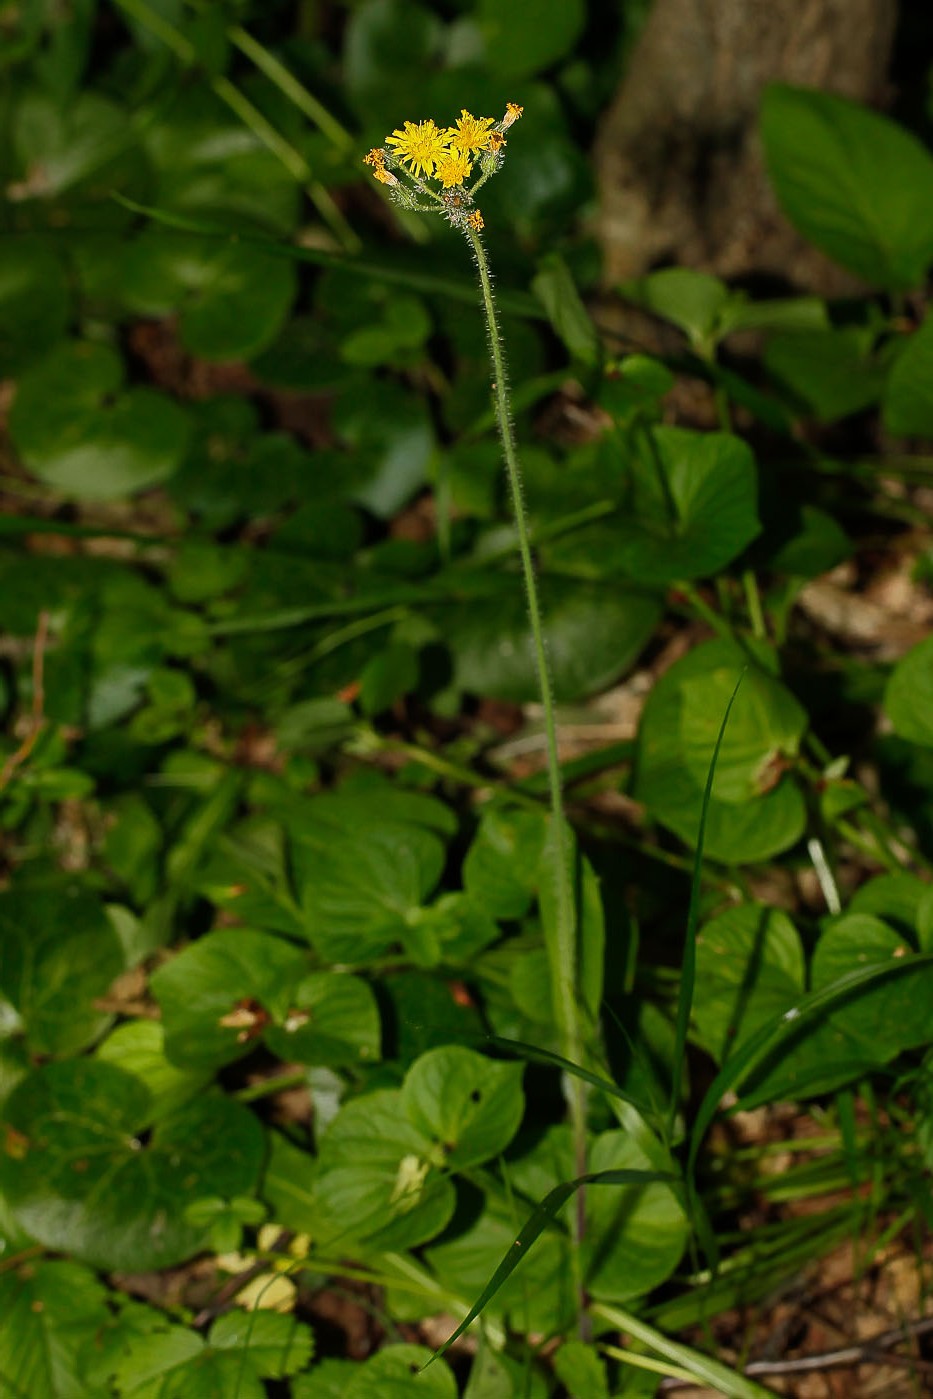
435,166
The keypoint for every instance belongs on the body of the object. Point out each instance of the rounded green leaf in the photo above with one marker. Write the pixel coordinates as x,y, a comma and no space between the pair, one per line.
593,633
749,969
908,697
332,1019
216,995
378,1177
500,872
670,779
908,394
525,36
232,299
138,1046
48,1312
470,1106
635,1235
78,430
855,184
398,1373
78,1177
34,303
359,891
60,953
765,726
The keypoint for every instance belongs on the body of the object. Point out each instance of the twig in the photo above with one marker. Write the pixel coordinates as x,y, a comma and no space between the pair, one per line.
19,755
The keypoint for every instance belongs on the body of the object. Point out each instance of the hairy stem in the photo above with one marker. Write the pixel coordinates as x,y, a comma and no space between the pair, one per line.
562,949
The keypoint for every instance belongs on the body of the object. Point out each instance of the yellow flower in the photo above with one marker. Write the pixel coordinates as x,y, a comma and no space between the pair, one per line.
420,147
471,133
512,113
453,168
475,220
375,158
497,141
384,176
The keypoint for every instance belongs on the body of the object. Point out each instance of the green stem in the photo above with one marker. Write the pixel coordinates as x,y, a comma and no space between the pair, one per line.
562,949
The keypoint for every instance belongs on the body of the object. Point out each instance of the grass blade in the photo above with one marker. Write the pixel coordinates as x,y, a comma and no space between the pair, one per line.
539,1219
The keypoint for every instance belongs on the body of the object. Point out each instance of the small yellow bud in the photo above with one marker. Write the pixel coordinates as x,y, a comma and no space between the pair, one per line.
512,113
384,176
475,220
376,157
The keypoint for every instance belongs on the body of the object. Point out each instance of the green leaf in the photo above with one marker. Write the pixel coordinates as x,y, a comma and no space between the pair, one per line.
48,1312
378,1177
468,1104
593,633
694,301
82,1180
328,1380
524,36
556,290
766,726
852,182
387,676
359,891
831,372
750,968
669,776
34,303
139,1047
692,508
332,1019
276,1346
908,394
501,868
908,696
60,952
80,432
231,299
581,1371
201,990
397,1372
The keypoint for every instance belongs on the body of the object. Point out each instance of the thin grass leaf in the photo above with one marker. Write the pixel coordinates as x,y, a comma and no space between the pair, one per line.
537,1222
770,1037
688,971
532,1052
702,1368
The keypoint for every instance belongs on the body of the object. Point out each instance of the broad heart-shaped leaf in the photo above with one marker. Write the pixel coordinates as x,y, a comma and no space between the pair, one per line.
865,1029
77,1177
59,952
139,1047
766,724
78,430
501,868
635,1234
830,372
396,1373
34,303
468,1104
908,394
48,1312
229,988
172,1362
750,968
855,184
691,508
378,1180
357,891
736,832
231,298
524,36
593,632
908,696
691,300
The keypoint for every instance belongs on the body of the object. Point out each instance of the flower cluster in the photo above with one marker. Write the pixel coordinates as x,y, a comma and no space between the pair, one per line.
424,151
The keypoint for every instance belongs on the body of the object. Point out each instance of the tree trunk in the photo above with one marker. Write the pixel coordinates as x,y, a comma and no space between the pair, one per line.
678,159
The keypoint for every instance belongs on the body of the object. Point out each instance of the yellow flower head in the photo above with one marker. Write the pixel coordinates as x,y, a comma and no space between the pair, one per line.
384,176
497,141
376,158
471,133
475,220
453,168
512,113
419,146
